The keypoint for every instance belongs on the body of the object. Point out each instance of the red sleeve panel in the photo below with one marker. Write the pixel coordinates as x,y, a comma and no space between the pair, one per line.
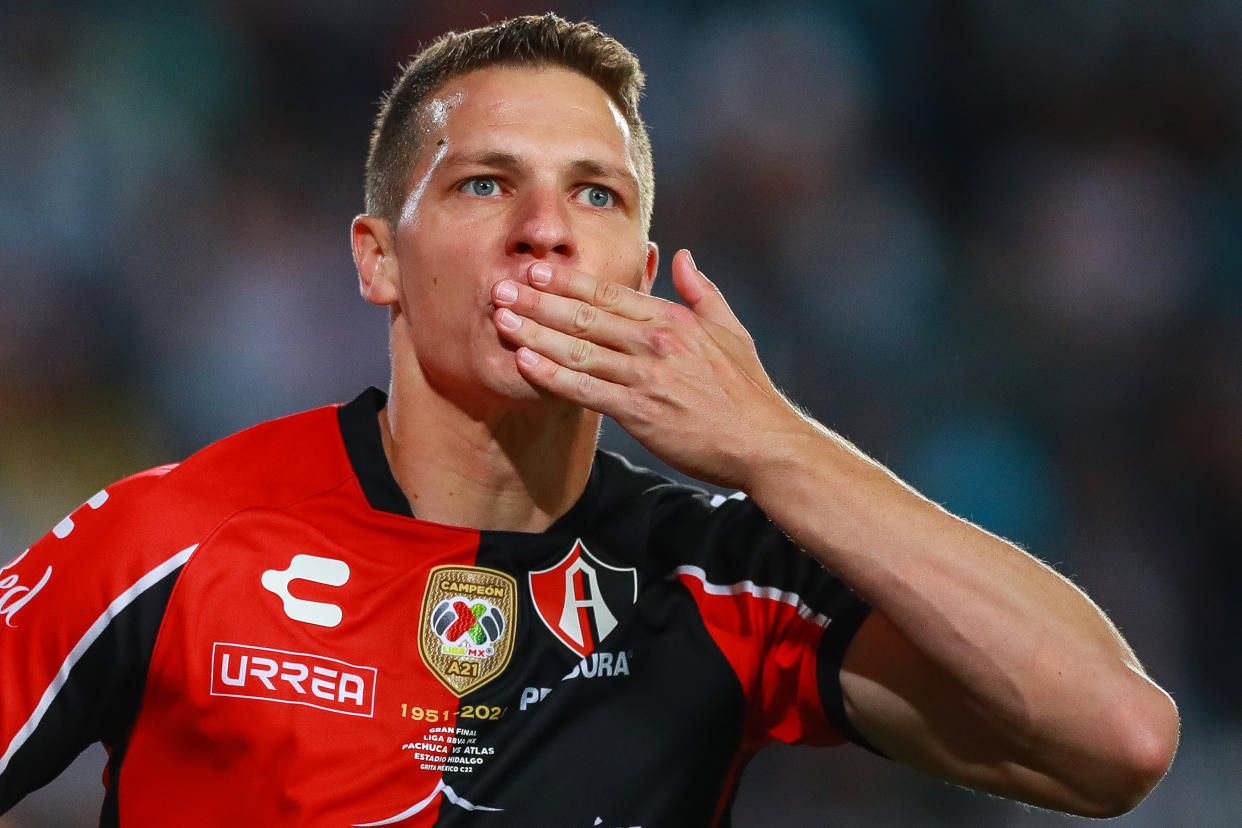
782,620
60,601
80,609
771,639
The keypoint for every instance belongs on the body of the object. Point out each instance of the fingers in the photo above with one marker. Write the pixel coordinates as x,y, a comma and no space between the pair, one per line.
590,340
577,386
703,297
575,317
613,297
689,283
574,352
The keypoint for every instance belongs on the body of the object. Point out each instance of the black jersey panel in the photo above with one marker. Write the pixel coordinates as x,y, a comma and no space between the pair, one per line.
643,731
98,702
735,542
832,649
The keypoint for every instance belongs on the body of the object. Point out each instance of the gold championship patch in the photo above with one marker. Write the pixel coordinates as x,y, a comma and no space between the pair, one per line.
466,631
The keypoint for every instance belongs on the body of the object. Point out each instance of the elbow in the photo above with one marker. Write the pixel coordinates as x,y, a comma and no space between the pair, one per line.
1144,740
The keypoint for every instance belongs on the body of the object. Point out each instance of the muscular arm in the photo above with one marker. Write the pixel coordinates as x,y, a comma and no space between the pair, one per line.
980,664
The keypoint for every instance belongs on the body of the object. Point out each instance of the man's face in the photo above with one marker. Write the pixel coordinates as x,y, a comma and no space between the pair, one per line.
517,165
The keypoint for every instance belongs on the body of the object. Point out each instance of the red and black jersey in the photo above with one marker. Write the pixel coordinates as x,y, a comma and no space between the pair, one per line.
265,635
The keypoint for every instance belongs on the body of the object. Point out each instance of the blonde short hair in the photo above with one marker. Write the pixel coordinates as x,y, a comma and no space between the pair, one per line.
534,40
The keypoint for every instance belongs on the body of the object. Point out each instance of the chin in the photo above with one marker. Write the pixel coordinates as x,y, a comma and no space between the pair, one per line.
504,380
516,389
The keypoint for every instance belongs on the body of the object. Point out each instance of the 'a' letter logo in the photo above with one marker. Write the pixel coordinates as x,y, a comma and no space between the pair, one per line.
578,598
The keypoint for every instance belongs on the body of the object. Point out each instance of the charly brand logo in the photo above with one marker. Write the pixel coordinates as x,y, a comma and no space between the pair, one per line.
13,595
465,635
245,672
579,597
326,571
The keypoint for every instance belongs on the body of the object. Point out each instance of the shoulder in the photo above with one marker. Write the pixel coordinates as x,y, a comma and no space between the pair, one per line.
682,520
269,464
622,483
145,526
669,500
722,540
160,511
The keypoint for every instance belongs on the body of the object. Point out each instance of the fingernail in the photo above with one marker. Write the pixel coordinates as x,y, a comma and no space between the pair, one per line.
528,357
508,320
506,291
540,274
690,258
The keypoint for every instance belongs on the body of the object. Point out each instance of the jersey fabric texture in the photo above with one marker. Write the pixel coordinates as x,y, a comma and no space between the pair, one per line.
264,634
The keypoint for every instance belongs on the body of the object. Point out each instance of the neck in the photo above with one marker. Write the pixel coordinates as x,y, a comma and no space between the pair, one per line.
502,466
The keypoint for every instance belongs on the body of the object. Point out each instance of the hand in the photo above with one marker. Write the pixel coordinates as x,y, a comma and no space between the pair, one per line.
685,381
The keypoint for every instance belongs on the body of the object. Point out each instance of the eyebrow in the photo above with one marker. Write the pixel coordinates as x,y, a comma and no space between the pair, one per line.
483,158
582,167
589,168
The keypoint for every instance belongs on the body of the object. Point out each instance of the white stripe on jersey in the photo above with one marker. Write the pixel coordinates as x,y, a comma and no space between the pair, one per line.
772,593
718,499
449,794
89,637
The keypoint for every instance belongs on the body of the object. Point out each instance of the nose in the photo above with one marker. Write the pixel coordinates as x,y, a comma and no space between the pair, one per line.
541,225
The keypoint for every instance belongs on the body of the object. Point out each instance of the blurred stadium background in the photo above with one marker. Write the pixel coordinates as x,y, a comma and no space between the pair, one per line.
989,240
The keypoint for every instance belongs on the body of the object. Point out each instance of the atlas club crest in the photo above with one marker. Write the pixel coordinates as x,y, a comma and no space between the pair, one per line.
465,633
579,597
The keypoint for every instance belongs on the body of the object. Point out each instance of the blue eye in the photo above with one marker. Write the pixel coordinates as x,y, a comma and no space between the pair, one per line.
482,187
596,197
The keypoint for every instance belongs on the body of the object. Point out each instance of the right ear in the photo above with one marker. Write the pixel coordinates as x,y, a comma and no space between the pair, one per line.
376,260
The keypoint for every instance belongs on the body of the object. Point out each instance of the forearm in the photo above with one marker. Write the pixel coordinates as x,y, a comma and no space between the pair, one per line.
989,668
1037,661
956,591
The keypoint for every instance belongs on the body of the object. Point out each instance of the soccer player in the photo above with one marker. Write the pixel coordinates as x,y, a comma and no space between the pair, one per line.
442,605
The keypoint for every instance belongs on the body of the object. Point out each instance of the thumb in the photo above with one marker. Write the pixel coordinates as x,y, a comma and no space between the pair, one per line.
703,297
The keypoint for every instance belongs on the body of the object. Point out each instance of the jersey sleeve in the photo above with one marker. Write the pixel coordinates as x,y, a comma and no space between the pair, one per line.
782,620
79,612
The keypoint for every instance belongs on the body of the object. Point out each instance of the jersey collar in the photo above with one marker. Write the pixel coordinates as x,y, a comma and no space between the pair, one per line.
360,432
363,443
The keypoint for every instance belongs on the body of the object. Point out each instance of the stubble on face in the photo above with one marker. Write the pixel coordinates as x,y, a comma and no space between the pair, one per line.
453,252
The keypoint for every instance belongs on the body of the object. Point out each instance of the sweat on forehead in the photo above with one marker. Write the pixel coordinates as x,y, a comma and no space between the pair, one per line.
435,111
532,41
498,104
